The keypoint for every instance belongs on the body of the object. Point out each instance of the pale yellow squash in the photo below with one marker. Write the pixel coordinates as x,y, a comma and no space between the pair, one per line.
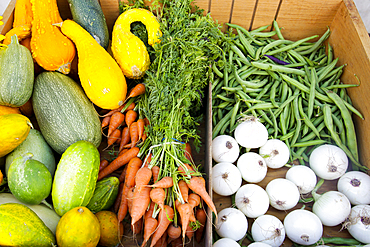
100,76
128,50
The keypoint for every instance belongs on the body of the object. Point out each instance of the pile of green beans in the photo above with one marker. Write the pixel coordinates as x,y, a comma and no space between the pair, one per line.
292,87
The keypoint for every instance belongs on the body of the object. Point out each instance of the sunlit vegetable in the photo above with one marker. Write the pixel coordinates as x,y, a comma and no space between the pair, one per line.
328,161
226,178
252,167
268,229
303,177
359,223
225,149
275,152
252,200
223,242
303,227
251,133
283,193
356,186
231,223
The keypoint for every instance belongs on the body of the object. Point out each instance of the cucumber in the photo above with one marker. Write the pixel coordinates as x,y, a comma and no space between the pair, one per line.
89,15
20,226
63,111
35,144
75,178
105,194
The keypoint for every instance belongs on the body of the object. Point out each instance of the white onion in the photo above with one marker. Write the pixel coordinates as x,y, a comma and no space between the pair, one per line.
231,223
251,133
252,200
225,242
356,186
332,207
225,149
359,223
275,152
258,244
328,162
283,194
252,167
268,229
303,227
226,178
303,177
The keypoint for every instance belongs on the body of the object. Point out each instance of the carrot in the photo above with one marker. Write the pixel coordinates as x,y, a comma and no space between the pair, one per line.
177,243
105,122
140,127
140,203
162,241
187,152
136,228
189,231
134,134
198,185
194,200
155,171
202,218
158,195
125,138
147,162
119,109
137,90
149,227
143,176
173,232
184,190
188,171
103,164
123,151
185,211
131,116
118,162
165,182
117,202
115,121
113,137
130,198
164,220
150,211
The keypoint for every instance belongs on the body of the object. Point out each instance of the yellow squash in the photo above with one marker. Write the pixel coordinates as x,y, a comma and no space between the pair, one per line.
14,129
100,76
50,48
78,227
128,50
8,109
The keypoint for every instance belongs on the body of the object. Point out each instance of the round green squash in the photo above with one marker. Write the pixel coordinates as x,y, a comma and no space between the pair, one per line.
76,176
20,226
35,143
64,113
16,74
29,180
105,194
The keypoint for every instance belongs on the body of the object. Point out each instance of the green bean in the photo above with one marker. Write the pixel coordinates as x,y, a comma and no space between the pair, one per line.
277,68
214,118
245,74
258,53
338,240
306,120
232,89
225,98
264,116
348,123
220,124
339,124
282,124
273,93
297,56
246,32
264,34
275,125
249,84
285,103
234,113
309,143
217,71
329,125
291,46
223,104
264,91
311,96
276,27
261,106
294,65
286,116
259,29
341,86
274,44
237,51
248,47
287,136
317,43
231,55
330,54
326,70
273,75
298,119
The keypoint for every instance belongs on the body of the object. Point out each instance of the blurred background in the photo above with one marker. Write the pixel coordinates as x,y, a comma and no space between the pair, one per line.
363,7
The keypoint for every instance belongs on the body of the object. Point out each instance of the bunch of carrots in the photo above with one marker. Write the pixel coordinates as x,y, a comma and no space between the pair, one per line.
163,196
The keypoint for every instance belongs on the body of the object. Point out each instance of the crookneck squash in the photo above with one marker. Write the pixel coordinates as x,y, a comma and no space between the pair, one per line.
51,49
16,74
100,76
128,50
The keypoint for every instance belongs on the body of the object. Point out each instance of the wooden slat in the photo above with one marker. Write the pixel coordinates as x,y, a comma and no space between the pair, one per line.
221,11
300,19
243,12
351,43
8,17
203,4
111,12
265,13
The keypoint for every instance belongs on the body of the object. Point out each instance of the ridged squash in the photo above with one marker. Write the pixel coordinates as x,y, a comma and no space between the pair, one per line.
14,130
105,194
20,226
16,74
64,113
78,227
50,48
100,76
75,178
128,50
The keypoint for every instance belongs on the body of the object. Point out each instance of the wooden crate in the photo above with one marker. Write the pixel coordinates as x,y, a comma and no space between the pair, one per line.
299,19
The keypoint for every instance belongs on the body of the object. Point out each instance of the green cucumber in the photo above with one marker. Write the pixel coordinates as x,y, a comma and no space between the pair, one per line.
89,15
75,178
105,194
29,180
63,111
